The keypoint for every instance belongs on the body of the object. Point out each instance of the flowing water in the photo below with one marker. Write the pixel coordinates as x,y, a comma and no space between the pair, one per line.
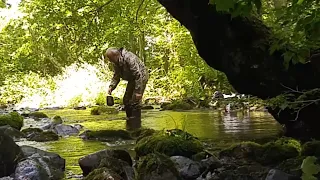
214,128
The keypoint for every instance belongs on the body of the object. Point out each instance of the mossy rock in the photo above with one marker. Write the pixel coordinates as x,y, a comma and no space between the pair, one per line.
44,136
178,105
267,154
106,135
12,119
169,145
57,120
38,115
30,131
103,174
292,166
122,168
141,133
157,166
311,148
201,156
103,110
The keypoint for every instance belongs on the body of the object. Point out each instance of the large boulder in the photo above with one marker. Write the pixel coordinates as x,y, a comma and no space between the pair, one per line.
10,154
157,166
12,132
172,143
12,119
38,167
55,159
37,115
115,160
44,136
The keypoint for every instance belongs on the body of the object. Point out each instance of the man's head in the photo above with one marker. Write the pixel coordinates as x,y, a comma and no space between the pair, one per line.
113,54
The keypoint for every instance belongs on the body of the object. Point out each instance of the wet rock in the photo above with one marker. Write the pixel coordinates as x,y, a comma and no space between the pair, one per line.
29,131
211,163
6,178
142,133
65,130
10,154
37,115
56,120
43,136
103,174
103,110
105,158
157,166
187,168
12,132
38,168
201,156
55,159
106,135
275,174
169,144
12,119
147,107
78,126
178,105
292,166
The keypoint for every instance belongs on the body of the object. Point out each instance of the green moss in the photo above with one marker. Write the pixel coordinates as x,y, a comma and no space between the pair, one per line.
200,156
103,110
116,165
141,133
311,148
29,131
44,137
57,120
12,119
169,145
103,174
158,163
267,154
38,114
178,105
108,135
292,166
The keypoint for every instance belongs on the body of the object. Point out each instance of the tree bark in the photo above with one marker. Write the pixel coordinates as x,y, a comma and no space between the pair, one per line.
239,47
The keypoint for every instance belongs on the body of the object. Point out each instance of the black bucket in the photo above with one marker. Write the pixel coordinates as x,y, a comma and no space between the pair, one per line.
110,101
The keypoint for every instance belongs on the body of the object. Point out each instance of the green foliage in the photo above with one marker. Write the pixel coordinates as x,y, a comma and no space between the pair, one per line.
101,99
310,168
311,148
13,119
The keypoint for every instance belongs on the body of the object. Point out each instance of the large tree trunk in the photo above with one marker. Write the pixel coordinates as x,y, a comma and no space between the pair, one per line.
239,47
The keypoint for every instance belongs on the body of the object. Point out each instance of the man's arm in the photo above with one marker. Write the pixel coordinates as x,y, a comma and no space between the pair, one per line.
115,79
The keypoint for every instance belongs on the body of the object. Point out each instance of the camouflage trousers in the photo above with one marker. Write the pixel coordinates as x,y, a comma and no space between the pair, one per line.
129,98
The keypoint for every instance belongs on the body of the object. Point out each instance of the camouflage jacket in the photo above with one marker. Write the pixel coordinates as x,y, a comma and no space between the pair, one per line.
130,68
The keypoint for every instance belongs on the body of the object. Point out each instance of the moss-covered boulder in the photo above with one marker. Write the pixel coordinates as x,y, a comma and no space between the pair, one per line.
177,105
168,144
37,115
57,120
103,174
156,166
12,132
292,166
43,136
266,154
115,160
106,135
29,131
10,155
12,119
103,110
311,148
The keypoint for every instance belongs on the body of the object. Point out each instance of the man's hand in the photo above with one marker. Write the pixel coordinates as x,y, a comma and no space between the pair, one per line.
109,91
138,96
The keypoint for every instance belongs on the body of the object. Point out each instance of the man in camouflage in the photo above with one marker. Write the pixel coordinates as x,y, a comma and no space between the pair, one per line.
130,68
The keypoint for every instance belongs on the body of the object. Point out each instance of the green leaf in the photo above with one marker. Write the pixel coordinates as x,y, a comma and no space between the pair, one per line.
287,56
283,106
309,167
300,2
224,5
